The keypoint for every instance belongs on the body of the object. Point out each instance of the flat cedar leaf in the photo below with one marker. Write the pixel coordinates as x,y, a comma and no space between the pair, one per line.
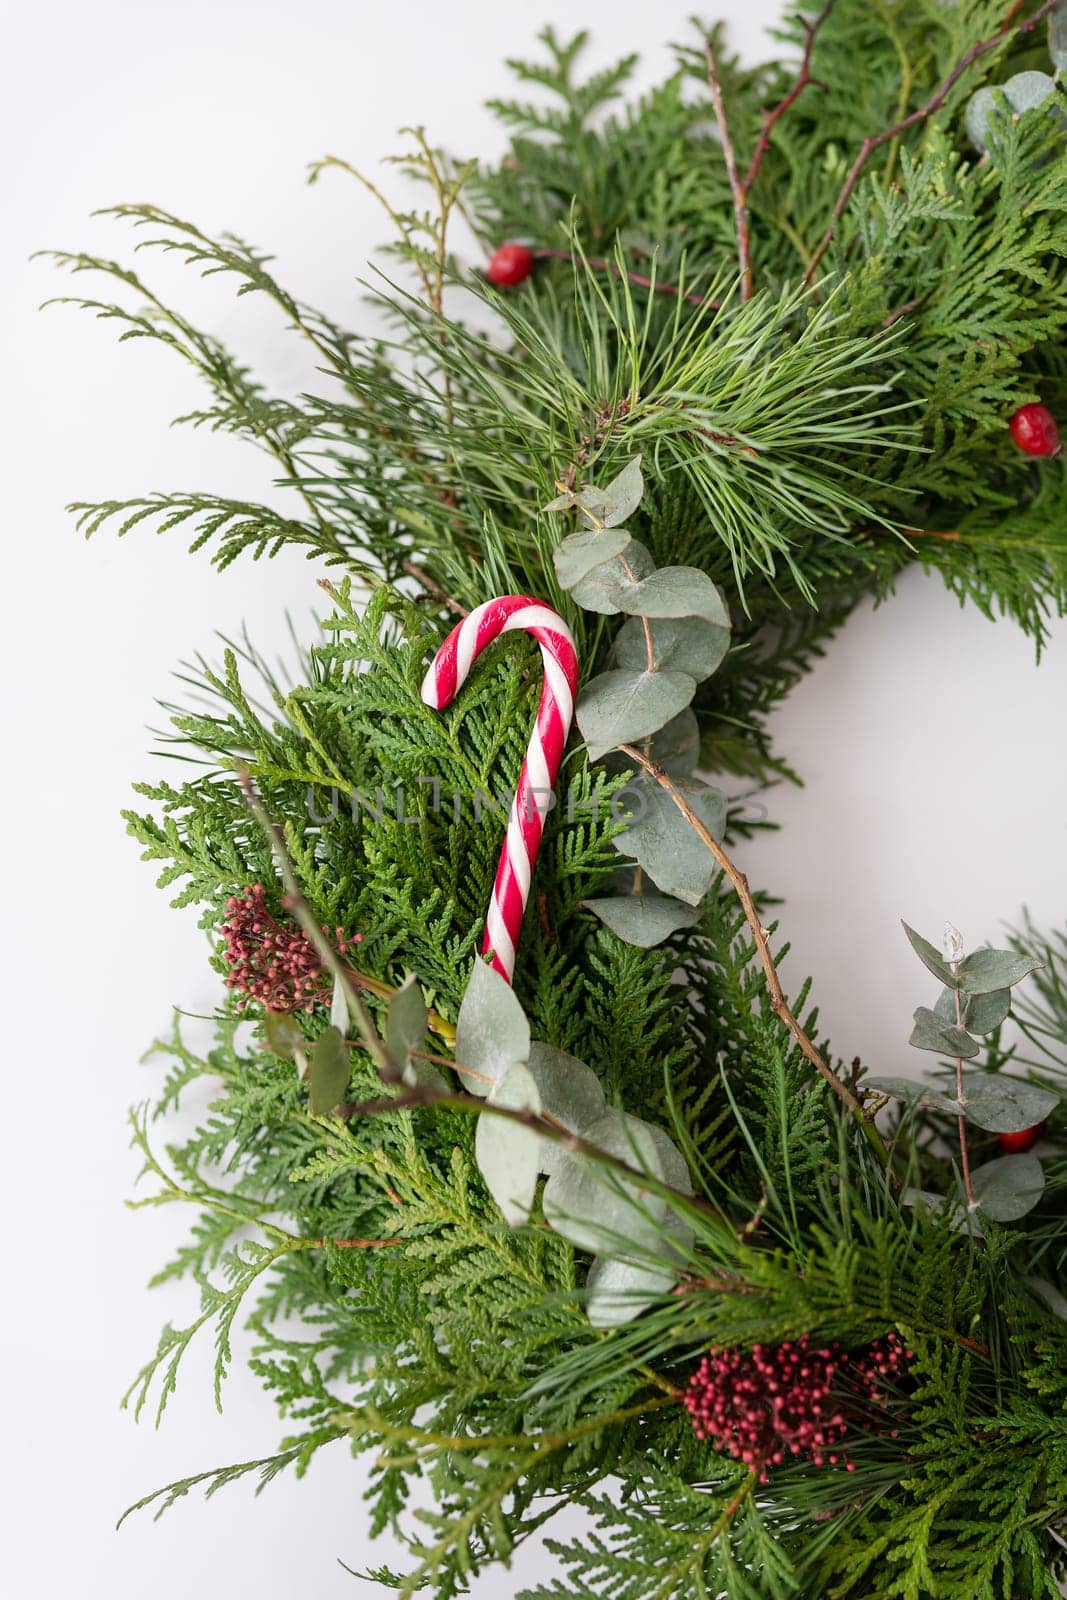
915,1093
676,592
576,557
491,1030
507,1153
328,1072
1002,1104
405,1023
645,919
930,957
664,842
595,1206
603,589
981,1013
1007,1188
984,970
679,644
570,1094
932,1032
619,707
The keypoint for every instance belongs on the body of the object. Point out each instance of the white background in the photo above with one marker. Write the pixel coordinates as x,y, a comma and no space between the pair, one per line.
933,750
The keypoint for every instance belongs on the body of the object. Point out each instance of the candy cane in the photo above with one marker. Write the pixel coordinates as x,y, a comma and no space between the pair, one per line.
448,671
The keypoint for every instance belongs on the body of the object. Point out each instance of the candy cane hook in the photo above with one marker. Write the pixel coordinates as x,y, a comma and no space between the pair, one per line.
448,670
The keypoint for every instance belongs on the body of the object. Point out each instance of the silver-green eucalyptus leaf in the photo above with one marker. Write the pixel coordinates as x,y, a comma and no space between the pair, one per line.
981,1013
644,919
328,1072
913,1093
570,1095
508,1155
675,747
597,1207
1057,36
1000,1103
931,1032
617,1291
621,707
676,592
605,588
405,1023
985,970
1008,1188
930,957
679,644
663,841
579,554
491,1030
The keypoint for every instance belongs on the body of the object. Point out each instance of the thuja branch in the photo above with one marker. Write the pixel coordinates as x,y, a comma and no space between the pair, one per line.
779,1004
875,141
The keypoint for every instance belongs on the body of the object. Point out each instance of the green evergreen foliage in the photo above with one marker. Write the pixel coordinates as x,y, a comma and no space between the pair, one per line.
800,444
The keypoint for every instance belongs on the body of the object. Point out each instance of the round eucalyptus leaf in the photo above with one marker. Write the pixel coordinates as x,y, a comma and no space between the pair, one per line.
405,1023
644,919
507,1153
617,1291
618,500
570,1094
602,589
1006,1189
675,747
1002,1104
981,109
931,1032
676,592
1049,1295
491,1030
679,644
328,1072
675,1167
1028,90
985,970
595,1206
620,707
664,842
577,556
981,1013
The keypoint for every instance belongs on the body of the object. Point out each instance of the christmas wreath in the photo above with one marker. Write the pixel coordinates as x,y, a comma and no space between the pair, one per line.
526,1171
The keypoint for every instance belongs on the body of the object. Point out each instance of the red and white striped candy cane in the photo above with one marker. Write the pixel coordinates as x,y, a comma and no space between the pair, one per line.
448,670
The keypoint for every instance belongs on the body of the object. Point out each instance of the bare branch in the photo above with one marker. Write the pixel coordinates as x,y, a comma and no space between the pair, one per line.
803,78
737,187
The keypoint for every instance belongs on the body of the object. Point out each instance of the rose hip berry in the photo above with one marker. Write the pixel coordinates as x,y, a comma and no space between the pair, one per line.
510,266
1034,430
1023,1139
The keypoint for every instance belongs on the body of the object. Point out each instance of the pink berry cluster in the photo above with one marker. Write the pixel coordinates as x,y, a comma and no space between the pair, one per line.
773,1401
274,964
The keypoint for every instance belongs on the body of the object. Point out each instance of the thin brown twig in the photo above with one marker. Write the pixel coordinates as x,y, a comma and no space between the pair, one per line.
432,588
356,1244
599,264
874,142
779,1004
803,78
737,187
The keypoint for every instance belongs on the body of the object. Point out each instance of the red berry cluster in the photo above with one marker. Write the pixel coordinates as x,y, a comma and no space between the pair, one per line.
274,964
763,1404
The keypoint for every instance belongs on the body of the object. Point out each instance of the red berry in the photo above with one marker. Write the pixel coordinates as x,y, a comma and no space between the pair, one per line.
1034,430
511,265
1025,1139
